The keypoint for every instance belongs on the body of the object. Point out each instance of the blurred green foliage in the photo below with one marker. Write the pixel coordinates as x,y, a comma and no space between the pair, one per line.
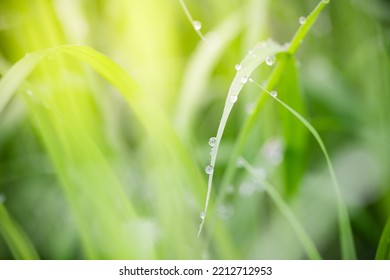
102,157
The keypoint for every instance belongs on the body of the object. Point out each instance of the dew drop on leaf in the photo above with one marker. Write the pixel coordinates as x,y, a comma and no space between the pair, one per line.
233,98
270,60
197,25
212,141
209,169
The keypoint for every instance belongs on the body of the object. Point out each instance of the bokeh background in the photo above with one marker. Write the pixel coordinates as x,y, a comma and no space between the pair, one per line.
85,175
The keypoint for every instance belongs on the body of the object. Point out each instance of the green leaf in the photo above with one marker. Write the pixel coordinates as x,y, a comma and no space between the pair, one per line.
254,58
294,133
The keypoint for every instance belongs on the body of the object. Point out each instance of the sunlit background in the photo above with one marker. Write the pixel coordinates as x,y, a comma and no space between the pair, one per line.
88,171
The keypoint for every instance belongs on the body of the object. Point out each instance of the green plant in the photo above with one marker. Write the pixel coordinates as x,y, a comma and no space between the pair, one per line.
101,155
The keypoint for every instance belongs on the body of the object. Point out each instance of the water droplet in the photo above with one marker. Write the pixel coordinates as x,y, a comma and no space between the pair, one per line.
30,92
244,80
2,198
251,80
250,52
302,20
238,67
233,98
209,169
212,141
270,60
274,93
202,215
325,1
197,25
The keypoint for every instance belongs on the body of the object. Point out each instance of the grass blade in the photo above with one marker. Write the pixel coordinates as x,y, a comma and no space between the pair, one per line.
294,134
273,80
283,207
346,237
21,247
254,58
383,250
166,145
199,70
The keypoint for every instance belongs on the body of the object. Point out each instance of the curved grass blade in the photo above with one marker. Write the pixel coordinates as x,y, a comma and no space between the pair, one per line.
17,240
346,237
383,251
254,58
283,207
273,80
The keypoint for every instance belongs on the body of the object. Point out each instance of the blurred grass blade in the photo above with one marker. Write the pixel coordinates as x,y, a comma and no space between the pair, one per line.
21,247
294,134
74,163
383,250
15,75
283,207
254,58
199,70
346,237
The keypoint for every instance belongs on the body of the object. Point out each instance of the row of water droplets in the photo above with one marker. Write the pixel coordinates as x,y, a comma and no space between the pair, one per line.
270,61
